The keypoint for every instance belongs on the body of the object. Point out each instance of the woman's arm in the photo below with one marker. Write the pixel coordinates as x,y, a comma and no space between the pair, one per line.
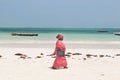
59,45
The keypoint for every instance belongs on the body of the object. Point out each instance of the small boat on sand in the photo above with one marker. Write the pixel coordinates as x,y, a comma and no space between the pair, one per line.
24,34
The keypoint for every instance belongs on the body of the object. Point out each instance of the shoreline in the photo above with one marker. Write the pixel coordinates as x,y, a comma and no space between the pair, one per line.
69,44
66,41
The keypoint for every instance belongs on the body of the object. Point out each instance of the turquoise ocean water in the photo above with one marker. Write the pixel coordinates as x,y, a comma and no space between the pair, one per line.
71,34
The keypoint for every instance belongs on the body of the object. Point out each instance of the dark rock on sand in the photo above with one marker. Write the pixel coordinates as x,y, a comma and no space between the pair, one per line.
117,55
41,54
69,53
38,57
50,55
18,54
88,55
113,57
107,56
23,56
95,55
47,55
84,59
0,56
76,54
29,57
101,56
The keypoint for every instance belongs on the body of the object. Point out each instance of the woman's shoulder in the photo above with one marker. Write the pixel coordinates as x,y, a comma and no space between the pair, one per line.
58,41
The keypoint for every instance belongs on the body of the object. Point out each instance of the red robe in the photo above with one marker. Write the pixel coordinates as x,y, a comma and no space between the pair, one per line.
59,61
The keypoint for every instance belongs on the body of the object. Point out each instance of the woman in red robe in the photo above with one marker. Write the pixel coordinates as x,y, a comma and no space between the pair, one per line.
60,61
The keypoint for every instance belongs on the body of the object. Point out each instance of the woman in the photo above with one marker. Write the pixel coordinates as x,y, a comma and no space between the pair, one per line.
60,61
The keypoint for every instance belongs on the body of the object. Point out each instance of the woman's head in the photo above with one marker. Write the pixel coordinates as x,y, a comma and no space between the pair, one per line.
60,36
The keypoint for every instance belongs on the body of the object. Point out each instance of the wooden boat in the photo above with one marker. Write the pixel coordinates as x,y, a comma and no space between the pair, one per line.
23,34
102,31
117,33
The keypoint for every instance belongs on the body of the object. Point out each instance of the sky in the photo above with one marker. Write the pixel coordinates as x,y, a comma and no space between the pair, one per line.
59,13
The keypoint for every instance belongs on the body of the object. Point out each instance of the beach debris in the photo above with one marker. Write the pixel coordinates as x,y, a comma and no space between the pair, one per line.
117,54
89,55
84,58
29,57
76,54
50,54
69,53
41,54
95,55
101,56
113,57
18,54
0,56
23,56
38,57
107,56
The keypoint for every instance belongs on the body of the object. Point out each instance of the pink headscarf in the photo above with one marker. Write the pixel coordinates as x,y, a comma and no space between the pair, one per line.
60,36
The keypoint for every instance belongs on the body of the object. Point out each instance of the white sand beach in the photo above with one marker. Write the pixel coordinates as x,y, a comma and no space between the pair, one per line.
85,61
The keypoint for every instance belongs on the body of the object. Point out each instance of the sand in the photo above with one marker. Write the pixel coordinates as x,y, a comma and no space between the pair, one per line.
104,64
